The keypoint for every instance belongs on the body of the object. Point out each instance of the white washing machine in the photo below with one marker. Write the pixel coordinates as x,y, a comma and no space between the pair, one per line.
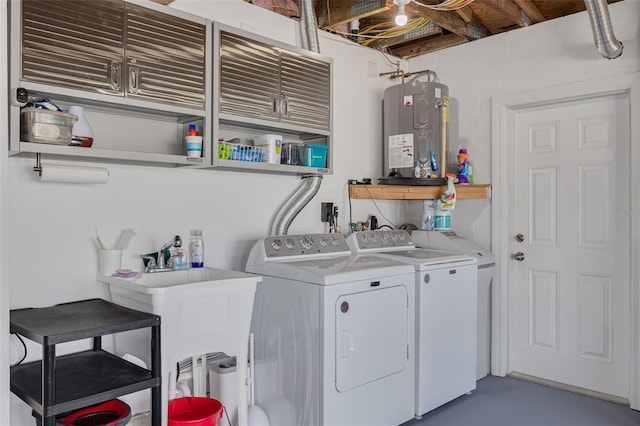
446,301
334,334
450,241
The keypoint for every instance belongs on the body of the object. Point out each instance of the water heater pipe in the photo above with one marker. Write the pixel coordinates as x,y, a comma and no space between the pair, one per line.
444,108
606,41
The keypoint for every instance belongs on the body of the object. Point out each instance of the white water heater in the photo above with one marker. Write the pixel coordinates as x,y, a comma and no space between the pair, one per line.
415,122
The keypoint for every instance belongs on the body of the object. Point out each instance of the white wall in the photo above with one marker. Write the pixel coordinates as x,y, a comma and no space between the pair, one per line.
552,53
50,232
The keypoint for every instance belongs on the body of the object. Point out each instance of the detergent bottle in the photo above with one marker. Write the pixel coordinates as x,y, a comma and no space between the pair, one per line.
463,167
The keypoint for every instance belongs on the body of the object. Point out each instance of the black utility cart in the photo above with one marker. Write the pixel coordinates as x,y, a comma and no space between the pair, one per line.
61,384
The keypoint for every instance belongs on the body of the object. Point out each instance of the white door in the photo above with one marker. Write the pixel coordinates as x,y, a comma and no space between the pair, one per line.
570,278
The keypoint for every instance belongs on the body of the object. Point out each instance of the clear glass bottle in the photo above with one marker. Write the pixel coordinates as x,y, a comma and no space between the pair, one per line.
196,249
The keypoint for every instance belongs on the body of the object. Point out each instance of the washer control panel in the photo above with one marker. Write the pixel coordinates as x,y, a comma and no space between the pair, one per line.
380,239
296,245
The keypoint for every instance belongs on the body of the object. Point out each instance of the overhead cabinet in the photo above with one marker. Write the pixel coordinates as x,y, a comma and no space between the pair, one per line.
116,48
264,86
139,69
258,80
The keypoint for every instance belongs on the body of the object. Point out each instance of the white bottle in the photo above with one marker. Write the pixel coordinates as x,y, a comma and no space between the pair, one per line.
81,134
196,249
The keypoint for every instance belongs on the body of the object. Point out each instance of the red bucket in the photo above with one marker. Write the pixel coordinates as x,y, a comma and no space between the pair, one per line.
194,411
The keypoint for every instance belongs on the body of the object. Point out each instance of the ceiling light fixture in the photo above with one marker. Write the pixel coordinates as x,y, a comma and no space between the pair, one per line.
401,17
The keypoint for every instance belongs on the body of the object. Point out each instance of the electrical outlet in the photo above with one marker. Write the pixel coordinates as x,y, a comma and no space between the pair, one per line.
326,211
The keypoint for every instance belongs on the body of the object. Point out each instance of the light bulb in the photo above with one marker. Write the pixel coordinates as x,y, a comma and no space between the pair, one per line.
401,17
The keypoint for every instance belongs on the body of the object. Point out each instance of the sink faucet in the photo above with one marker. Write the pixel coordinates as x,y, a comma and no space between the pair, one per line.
159,265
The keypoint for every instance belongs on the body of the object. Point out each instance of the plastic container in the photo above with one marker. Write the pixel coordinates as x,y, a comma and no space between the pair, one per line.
463,167
292,154
442,218
194,411
273,145
81,134
316,156
196,249
193,146
109,413
223,384
46,126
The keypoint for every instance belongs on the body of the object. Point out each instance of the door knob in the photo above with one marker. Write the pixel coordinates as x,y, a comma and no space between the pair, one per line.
519,256
519,238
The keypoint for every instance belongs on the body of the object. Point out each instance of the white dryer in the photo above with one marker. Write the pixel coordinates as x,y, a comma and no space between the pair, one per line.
334,334
446,303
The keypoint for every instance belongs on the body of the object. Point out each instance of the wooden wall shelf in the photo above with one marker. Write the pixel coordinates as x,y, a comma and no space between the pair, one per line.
401,192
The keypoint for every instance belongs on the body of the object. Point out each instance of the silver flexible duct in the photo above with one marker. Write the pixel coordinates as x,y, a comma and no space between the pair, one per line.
606,41
295,204
310,183
309,26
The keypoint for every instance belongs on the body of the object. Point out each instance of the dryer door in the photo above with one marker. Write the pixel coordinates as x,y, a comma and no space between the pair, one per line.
371,336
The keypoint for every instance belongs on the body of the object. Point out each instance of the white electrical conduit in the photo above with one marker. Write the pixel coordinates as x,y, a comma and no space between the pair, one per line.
606,41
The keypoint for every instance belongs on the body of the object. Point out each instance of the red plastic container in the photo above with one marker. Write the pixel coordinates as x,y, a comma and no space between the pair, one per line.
194,411
108,413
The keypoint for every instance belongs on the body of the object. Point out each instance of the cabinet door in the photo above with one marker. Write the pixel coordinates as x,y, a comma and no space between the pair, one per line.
165,57
249,78
305,91
73,43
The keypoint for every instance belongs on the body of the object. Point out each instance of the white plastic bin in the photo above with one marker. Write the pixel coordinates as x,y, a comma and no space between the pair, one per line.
223,386
273,143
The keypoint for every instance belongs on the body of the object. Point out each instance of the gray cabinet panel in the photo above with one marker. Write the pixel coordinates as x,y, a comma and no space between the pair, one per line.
73,43
165,57
306,89
249,78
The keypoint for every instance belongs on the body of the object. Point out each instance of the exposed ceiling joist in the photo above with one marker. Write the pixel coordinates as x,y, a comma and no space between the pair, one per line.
449,20
509,9
429,45
531,10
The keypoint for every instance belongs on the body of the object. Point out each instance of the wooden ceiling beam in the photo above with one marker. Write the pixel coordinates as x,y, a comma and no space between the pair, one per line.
332,13
509,9
531,10
448,20
466,14
429,45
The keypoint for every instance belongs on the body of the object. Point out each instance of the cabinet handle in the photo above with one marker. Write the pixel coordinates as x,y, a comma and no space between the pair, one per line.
134,75
284,109
275,104
115,75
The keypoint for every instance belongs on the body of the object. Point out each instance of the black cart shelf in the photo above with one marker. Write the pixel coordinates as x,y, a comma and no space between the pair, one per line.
57,385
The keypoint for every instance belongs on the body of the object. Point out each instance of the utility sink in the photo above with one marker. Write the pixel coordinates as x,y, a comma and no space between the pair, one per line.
202,311
179,280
